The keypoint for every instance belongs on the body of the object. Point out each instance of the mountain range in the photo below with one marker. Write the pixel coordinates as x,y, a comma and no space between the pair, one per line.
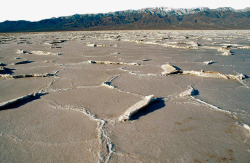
149,18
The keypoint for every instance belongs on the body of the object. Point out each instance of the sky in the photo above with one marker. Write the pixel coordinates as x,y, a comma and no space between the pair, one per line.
35,10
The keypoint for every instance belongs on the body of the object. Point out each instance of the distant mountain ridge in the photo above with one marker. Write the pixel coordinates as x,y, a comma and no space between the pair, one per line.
183,11
148,18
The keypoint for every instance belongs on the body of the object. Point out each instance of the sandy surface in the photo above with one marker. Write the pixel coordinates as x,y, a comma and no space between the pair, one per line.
62,93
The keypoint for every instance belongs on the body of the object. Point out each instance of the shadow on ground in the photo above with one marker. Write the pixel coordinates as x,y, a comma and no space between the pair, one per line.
156,105
20,102
7,71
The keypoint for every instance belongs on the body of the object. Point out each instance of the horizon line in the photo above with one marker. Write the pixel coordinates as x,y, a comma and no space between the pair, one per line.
171,8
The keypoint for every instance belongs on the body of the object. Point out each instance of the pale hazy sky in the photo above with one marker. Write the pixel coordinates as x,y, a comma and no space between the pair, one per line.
35,10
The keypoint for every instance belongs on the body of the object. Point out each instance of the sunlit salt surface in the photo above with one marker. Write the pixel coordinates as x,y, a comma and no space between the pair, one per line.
125,96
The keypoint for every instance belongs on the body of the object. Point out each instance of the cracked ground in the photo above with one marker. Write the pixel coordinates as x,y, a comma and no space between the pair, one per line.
125,96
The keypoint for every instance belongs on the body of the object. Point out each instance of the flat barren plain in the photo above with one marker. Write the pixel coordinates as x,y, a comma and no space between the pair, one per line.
125,96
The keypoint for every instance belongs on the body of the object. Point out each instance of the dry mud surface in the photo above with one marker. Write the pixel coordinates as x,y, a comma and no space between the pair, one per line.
125,96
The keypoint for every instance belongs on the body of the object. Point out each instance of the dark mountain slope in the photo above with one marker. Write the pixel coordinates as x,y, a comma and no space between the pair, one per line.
152,18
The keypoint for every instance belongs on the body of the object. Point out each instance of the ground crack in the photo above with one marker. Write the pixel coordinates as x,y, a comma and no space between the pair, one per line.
106,150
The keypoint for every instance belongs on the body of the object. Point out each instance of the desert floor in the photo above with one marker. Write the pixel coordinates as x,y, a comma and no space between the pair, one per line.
125,96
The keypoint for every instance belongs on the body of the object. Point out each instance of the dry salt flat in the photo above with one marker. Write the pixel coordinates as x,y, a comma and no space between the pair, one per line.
125,96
